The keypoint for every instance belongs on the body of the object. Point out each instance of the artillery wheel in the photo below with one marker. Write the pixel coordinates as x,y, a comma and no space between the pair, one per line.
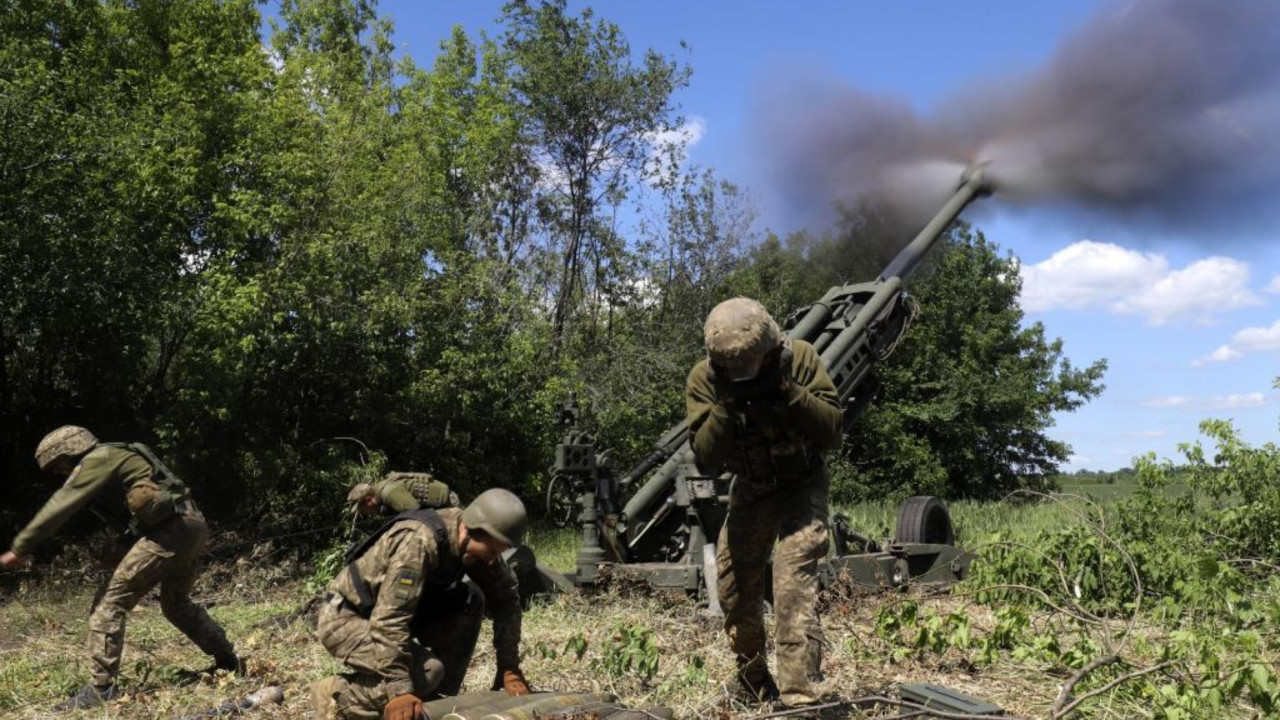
562,504
924,519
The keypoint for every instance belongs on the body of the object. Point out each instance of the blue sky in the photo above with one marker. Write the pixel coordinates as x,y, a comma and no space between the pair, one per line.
1190,325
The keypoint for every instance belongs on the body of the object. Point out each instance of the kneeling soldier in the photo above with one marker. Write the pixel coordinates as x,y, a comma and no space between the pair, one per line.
399,492
405,623
170,533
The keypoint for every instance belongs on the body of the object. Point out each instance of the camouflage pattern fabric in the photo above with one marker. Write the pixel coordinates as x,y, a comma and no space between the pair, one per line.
739,331
795,516
771,432
167,555
67,441
415,626
445,630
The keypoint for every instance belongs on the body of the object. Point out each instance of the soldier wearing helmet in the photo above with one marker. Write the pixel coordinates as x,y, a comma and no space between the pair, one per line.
405,612
399,492
168,535
762,407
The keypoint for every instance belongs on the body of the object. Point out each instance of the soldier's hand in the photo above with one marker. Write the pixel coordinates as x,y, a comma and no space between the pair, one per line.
726,390
512,681
775,372
403,707
13,561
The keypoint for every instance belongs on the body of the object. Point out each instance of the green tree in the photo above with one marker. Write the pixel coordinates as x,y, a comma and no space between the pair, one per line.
595,116
124,132
965,402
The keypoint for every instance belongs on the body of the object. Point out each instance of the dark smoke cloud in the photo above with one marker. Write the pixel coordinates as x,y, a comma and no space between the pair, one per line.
1164,111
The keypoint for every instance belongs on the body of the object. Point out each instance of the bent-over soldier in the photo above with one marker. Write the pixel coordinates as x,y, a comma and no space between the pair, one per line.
404,621
400,492
170,532
763,407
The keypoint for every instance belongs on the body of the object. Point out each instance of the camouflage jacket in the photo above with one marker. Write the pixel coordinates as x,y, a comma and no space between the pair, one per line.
397,570
93,475
764,433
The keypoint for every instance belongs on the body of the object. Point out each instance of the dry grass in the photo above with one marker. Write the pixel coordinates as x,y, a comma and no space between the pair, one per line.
42,630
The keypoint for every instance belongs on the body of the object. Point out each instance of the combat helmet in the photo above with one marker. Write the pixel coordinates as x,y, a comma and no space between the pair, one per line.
359,492
498,513
739,332
69,441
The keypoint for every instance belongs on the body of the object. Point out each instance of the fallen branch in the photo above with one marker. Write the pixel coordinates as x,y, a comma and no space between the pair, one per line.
1056,713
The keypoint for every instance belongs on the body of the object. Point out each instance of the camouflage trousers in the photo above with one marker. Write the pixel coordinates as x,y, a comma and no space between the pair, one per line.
168,555
445,629
794,514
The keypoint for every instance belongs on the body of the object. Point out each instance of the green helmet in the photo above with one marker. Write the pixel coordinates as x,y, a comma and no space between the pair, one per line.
739,332
498,513
69,441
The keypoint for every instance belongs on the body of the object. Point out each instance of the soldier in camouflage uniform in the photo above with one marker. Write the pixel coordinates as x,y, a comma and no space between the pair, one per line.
404,621
763,407
399,492
170,534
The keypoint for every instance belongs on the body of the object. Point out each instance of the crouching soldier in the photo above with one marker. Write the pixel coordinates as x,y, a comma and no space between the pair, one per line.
402,619
399,492
170,534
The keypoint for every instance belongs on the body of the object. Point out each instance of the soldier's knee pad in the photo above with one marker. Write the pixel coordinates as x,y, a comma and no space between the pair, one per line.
324,697
433,673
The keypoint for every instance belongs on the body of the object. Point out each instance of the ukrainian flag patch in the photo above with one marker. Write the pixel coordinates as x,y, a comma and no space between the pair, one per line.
407,577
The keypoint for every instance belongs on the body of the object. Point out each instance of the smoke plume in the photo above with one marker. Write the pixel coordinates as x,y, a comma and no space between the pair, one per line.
1159,111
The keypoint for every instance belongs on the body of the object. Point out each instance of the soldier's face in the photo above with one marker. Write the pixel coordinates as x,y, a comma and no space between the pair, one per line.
747,371
482,550
60,467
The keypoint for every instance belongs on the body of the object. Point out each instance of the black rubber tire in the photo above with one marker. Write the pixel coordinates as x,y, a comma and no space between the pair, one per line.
924,519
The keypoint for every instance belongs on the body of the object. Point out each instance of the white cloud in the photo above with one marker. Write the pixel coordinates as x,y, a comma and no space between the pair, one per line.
1258,339
1245,341
1237,400
1172,401
1149,433
1225,353
672,146
1194,293
1216,402
1087,274
1090,274
1274,285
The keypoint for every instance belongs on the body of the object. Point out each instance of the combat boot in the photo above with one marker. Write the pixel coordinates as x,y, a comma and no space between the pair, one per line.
757,683
89,696
232,663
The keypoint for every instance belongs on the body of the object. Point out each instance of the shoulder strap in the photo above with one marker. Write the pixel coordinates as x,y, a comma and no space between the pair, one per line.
449,572
164,477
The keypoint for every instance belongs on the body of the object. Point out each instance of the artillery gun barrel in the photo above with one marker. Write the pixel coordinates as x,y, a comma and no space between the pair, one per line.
972,186
851,327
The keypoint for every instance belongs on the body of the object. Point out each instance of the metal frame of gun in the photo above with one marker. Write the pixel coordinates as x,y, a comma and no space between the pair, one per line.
662,530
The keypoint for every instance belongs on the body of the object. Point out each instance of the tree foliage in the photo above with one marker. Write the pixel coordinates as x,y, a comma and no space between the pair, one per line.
289,259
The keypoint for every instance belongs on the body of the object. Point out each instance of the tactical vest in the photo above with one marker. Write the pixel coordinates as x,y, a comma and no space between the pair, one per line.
428,491
768,445
170,500
446,576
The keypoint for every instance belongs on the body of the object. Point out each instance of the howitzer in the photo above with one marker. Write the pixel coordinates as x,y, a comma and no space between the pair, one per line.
665,531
